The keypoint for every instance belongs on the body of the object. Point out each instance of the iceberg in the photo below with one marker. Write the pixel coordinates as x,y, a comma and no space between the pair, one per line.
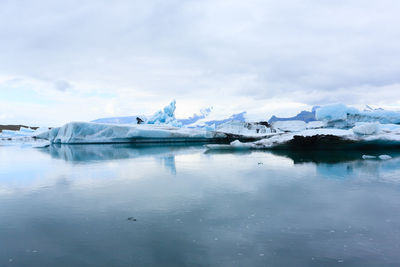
384,157
89,132
340,115
338,126
368,157
165,116
217,120
192,120
22,132
323,138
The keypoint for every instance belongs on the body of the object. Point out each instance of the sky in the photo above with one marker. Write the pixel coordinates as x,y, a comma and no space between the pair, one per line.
64,61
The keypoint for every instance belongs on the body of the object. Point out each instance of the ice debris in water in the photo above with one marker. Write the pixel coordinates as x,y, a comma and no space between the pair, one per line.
381,157
368,157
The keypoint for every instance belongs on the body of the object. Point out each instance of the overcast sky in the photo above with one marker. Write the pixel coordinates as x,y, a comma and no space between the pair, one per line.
81,60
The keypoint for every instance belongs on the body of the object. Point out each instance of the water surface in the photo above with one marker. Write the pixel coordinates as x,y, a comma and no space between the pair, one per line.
124,205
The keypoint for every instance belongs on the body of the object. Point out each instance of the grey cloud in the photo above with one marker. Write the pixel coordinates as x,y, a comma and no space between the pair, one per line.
308,51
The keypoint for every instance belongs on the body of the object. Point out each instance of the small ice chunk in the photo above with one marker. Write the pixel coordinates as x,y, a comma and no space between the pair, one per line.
238,144
384,157
41,144
368,157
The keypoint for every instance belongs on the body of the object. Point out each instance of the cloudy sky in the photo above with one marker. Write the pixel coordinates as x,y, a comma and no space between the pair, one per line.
81,60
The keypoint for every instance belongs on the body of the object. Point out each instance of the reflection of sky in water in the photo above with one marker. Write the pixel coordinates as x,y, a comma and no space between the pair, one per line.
68,206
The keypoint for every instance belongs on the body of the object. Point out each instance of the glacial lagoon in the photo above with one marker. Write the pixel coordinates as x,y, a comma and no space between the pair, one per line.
181,205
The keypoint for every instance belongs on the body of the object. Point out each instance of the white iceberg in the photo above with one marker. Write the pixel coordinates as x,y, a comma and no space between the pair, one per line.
88,132
384,157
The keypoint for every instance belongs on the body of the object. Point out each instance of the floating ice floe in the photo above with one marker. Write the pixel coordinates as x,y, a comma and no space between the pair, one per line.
381,157
368,157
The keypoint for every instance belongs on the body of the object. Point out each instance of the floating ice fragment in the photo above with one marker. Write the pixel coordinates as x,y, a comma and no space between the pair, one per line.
368,157
384,157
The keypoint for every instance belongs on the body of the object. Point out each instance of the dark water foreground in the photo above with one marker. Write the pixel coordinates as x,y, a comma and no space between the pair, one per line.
122,205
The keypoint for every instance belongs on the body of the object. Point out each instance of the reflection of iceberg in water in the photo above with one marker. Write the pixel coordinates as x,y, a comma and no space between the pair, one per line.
345,164
368,170
169,162
82,154
330,156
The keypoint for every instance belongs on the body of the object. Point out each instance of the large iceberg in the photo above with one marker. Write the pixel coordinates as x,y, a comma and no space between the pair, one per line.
339,115
89,132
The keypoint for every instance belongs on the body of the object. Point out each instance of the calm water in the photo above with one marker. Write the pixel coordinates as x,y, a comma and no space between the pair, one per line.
119,205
